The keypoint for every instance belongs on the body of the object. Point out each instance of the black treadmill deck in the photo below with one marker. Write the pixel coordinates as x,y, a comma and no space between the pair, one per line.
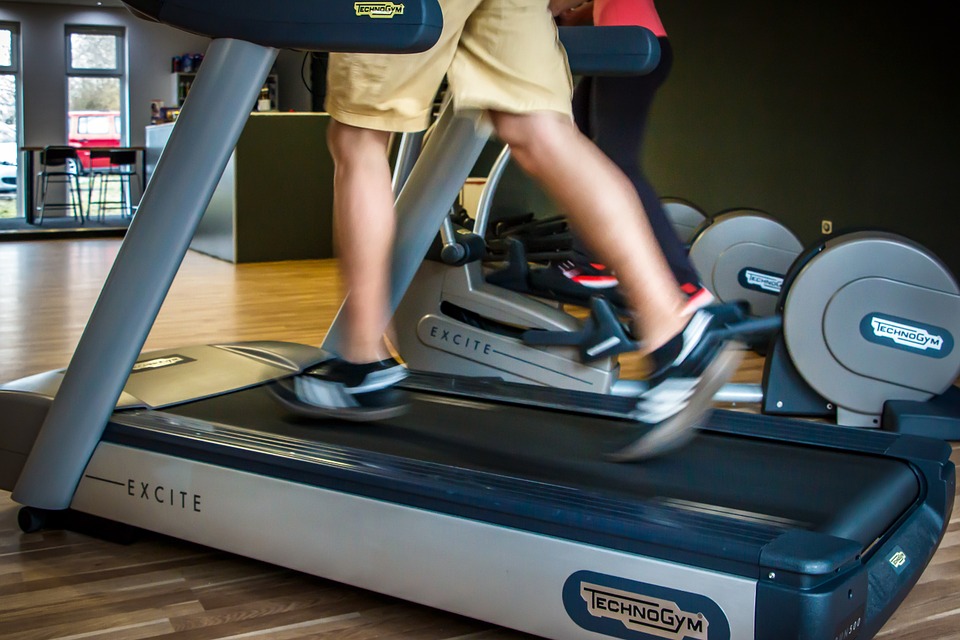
721,499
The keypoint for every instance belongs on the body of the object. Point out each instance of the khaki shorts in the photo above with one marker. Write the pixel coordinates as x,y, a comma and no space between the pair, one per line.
501,55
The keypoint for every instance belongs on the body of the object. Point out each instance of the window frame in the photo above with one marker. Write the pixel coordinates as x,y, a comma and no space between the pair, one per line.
14,29
14,70
119,71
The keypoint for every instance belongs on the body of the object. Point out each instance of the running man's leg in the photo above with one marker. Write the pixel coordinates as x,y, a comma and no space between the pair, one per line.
364,224
692,358
604,210
368,96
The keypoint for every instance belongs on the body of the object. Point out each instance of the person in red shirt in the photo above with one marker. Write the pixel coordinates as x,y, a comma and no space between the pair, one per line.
613,111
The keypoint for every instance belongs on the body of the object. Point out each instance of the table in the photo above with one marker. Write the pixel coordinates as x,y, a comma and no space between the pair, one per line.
29,173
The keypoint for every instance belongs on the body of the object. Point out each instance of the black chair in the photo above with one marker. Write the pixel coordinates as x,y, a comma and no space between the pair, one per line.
60,165
99,165
122,168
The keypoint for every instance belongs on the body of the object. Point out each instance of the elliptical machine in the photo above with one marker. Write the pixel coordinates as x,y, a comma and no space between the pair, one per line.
685,217
452,320
863,320
744,255
870,319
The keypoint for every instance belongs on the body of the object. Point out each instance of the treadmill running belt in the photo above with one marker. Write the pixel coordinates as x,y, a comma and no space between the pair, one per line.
745,479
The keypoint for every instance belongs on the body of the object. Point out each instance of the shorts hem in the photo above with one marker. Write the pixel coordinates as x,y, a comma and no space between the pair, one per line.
563,108
380,122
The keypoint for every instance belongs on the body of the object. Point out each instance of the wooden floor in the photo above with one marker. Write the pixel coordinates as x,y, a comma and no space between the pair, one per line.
71,587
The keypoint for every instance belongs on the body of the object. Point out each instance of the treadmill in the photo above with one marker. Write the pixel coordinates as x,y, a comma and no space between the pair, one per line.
487,499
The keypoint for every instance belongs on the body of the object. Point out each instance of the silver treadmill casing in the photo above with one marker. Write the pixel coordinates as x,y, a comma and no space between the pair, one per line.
515,577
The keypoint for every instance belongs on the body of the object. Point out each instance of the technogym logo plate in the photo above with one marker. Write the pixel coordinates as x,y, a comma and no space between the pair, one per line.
160,363
378,9
760,280
622,608
907,335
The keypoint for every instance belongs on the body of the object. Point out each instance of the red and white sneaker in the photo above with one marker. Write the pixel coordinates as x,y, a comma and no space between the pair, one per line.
592,275
698,297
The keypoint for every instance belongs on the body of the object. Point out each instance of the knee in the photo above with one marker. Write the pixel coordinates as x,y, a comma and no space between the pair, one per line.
535,136
349,143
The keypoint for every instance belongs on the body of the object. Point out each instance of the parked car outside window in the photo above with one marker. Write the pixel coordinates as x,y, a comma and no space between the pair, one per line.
94,129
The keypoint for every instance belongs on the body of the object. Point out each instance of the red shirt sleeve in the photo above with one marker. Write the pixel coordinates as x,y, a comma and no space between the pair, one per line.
613,13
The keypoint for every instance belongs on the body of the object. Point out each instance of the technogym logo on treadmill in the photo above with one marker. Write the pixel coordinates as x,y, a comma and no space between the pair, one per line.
378,9
907,335
160,363
661,618
622,608
760,280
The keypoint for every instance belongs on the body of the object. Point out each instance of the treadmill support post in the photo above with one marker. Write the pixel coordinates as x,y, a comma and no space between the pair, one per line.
188,172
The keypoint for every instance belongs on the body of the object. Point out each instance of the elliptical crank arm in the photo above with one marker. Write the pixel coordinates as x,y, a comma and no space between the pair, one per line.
754,326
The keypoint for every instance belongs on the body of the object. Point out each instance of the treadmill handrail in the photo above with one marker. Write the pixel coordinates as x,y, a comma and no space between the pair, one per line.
371,27
610,51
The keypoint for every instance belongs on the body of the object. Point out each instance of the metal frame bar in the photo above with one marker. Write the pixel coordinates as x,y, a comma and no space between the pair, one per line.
159,236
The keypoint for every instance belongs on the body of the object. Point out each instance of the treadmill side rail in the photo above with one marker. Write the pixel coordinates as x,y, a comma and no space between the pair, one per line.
505,575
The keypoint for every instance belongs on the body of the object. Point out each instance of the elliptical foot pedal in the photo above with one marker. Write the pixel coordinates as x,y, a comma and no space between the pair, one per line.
516,274
602,334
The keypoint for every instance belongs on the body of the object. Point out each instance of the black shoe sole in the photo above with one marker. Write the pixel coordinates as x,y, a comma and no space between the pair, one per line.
282,392
678,430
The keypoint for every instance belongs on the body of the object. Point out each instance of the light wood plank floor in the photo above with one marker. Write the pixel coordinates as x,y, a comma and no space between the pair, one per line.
68,586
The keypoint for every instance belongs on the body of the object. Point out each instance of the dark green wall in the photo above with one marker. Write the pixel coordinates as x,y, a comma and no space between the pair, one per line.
844,110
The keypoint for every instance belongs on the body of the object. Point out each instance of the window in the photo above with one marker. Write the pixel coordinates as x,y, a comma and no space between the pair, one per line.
9,116
8,48
92,50
96,87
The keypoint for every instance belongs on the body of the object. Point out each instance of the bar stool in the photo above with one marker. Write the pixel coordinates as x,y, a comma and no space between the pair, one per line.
60,165
99,165
122,167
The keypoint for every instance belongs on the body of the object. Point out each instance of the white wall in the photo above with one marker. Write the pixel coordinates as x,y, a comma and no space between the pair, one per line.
150,48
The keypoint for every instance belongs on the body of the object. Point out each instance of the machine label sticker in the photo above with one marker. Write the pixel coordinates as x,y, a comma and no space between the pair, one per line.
907,335
850,629
453,340
153,493
760,280
621,608
378,9
160,363
898,560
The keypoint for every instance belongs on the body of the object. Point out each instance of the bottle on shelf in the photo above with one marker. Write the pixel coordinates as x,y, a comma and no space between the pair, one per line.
264,103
